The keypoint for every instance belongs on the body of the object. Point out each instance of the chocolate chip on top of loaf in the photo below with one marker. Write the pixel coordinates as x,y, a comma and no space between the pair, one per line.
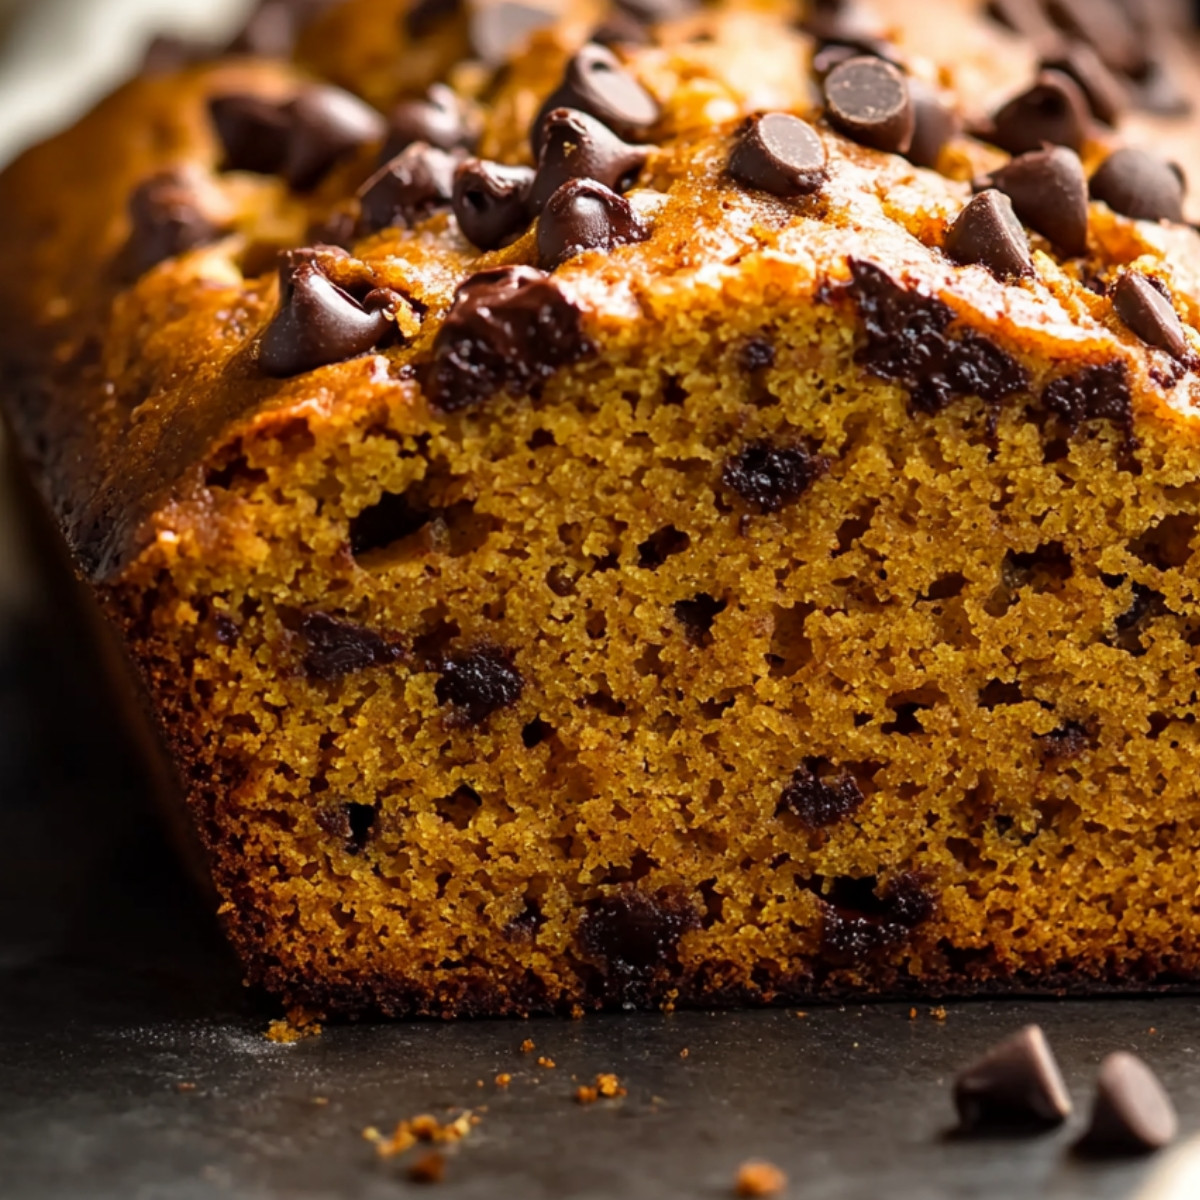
645,504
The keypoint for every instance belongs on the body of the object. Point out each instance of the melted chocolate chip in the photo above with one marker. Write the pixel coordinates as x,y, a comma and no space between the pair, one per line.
1016,1083
585,215
779,154
907,341
253,132
1053,110
867,99
1146,311
577,146
318,323
634,934
1136,183
509,329
491,202
862,924
439,118
818,802
1092,394
327,124
987,232
934,124
500,28
479,684
1049,192
596,83
336,647
168,215
416,183
1132,1113
770,477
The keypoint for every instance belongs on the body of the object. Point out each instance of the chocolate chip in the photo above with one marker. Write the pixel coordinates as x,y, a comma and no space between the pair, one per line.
596,83
1132,1113
1106,95
439,117
934,124
1145,310
327,124
1092,394
424,16
907,340
585,215
1016,1083
633,933
868,101
1049,192
479,684
987,232
169,214
577,146
491,202
508,329
771,476
818,802
336,647
779,154
318,323
253,132
858,922
1136,183
416,183
1053,110
501,27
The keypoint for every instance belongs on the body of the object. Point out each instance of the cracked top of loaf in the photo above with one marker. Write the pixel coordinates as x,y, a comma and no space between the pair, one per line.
232,240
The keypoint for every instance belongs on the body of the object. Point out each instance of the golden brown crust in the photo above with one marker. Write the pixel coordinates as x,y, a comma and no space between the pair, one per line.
961,627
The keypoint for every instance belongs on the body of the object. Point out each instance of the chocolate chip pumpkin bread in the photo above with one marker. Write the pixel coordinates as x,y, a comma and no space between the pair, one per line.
645,505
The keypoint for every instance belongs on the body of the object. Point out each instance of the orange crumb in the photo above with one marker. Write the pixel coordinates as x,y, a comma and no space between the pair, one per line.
939,1013
576,1012
429,1168
684,1052
503,1079
422,1128
548,1063
1151,1030
184,1086
586,1095
320,1101
759,1179
284,1032
912,1014
479,1083
609,1085
802,1014
527,1046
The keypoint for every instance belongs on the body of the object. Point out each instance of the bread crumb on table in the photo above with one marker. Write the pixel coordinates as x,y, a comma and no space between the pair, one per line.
759,1178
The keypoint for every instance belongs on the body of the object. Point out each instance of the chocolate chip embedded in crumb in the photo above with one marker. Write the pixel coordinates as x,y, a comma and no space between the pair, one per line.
585,215
501,27
170,213
595,82
1092,394
1054,110
934,124
491,202
416,183
1138,184
1015,1084
634,934
336,647
987,232
817,802
327,124
1049,192
439,117
318,323
508,329
769,476
577,146
779,154
252,131
1132,1113
479,684
868,101
1146,311
757,354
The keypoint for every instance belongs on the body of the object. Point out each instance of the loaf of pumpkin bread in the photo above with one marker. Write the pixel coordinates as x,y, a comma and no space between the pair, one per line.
664,503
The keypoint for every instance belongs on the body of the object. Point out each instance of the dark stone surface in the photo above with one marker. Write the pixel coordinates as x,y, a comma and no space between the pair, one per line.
115,988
